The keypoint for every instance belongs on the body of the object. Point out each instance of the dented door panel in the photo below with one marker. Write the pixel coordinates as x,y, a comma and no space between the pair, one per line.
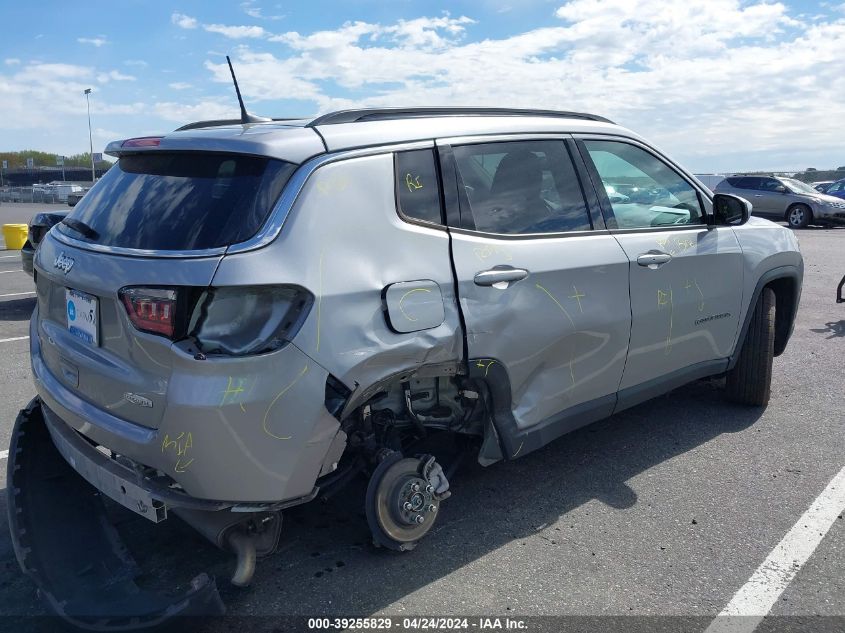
561,332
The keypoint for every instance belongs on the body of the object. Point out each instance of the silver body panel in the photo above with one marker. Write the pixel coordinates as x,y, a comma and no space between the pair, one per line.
256,428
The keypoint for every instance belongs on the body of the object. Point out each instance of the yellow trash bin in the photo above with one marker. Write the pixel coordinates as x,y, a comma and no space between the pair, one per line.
15,236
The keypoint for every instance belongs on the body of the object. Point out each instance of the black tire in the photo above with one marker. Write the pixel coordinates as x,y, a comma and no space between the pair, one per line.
750,381
798,216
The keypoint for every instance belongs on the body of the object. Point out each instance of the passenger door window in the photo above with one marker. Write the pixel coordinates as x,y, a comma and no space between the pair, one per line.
520,187
418,193
643,190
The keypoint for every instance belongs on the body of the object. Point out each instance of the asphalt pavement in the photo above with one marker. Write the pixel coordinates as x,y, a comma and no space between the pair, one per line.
664,510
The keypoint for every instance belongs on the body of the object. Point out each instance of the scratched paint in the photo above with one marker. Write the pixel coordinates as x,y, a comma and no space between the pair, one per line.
273,403
405,296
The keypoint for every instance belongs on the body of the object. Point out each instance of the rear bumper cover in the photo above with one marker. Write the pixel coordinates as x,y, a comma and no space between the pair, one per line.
260,439
86,575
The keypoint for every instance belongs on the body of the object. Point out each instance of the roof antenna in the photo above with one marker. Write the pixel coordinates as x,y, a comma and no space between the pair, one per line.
246,117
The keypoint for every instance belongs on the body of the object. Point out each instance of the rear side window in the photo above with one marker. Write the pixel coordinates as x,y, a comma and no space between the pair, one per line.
180,201
418,194
520,187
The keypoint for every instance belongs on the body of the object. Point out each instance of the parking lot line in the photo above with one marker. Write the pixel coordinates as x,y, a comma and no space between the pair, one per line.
18,270
756,598
4,454
17,294
16,338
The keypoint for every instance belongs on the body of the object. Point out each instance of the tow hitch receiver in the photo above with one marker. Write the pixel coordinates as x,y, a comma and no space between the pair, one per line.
64,541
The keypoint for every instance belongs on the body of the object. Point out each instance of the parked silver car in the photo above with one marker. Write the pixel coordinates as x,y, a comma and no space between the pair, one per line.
787,199
238,317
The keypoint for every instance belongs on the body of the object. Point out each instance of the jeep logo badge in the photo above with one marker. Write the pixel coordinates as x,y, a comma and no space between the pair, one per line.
63,263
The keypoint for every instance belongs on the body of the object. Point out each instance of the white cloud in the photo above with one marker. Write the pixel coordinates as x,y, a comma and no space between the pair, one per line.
184,21
113,75
140,63
713,71
236,32
743,82
180,85
93,41
256,12
12,61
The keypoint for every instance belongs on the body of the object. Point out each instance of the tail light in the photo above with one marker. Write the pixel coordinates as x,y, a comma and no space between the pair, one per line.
153,310
233,321
239,321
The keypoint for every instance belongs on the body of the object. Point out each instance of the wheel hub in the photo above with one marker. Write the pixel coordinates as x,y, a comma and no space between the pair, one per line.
403,500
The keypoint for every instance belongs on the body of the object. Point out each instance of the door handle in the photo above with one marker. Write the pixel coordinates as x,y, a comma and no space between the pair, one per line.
500,277
653,259
758,195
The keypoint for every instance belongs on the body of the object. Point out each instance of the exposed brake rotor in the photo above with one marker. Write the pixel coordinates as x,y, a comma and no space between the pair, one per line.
403,500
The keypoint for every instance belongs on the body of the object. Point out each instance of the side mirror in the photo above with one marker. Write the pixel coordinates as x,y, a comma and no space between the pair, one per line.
730,210
780,189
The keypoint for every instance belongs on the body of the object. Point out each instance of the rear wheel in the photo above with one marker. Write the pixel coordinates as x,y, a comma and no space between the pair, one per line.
799,216
749,382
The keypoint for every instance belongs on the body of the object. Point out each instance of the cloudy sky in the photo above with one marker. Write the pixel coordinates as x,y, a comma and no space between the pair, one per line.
719,84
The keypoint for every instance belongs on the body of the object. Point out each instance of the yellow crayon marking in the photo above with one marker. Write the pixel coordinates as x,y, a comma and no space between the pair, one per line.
232,392
571,372
701,294
577,296
486,367
666,298
486,251
404,296
180,467
662,241
412,183
519,449
281,393
557,303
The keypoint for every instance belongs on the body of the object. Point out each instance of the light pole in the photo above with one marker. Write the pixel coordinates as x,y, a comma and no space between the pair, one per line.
90,138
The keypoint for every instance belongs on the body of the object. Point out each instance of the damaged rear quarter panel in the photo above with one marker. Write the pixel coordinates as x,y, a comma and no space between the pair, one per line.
344,241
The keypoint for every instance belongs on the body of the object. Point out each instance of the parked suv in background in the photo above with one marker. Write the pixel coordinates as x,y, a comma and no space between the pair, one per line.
787,199
836,189
238,317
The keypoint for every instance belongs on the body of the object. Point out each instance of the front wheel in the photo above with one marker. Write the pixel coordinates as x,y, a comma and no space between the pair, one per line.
749,382
798,216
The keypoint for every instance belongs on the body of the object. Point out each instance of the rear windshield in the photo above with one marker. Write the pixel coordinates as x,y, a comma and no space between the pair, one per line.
179,201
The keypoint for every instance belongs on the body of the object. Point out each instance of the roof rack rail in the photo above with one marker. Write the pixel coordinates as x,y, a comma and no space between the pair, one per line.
219,122
383,114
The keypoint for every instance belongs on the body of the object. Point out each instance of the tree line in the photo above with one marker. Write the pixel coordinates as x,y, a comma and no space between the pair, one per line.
17,160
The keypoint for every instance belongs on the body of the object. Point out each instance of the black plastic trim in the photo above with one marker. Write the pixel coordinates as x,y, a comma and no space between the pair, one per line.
781,272
632,396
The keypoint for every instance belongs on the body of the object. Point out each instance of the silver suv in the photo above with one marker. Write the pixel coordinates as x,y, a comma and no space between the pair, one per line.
239,317
787,199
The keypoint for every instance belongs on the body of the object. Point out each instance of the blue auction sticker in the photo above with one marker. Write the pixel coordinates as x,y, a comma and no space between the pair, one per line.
71,311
